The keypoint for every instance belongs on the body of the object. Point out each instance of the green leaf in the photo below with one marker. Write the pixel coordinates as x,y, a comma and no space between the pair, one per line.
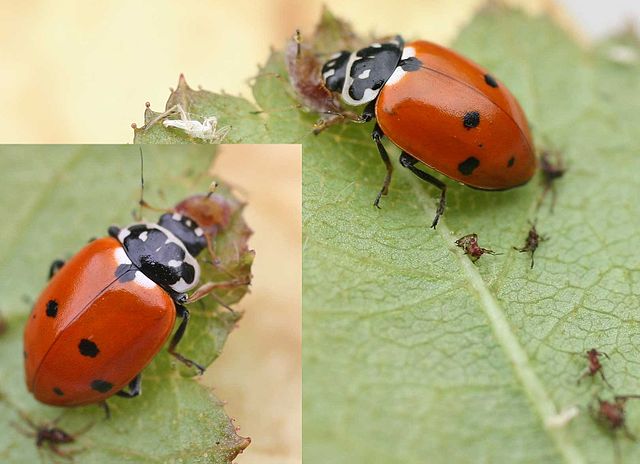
412,353
57,197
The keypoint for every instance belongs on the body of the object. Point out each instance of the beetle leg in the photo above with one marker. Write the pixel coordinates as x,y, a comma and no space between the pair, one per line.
377,135
184,314
369,111
135,388
409,162
105,407
55,267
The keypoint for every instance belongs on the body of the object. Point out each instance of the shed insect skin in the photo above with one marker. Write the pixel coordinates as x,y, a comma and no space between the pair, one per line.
206,130
595,366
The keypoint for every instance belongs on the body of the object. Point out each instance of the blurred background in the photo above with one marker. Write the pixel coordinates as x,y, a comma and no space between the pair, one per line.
80,72
267,346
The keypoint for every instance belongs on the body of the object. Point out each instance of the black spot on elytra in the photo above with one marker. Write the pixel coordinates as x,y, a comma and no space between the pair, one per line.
52,308
468,165
57,391
511,161
471,119
88,348
480,145
490,80
101,386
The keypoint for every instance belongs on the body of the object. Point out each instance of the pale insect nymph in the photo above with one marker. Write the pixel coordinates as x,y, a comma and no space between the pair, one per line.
206,130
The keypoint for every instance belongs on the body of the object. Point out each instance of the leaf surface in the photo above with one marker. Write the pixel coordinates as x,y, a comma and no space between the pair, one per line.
412,353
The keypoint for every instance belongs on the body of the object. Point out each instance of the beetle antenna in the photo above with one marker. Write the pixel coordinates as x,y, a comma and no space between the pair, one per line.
141,201
298,38
212,188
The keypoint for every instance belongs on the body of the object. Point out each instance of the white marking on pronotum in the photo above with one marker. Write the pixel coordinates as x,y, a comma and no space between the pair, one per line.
143,280
399,73
121,256
174,263
364,74
369,94
143,236
198,231
328,74
180,286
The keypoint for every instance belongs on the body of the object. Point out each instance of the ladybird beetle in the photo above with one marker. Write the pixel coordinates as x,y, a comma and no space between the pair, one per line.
109,310
440,109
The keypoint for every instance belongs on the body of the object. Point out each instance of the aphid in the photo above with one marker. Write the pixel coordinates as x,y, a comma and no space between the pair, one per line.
611,414
594,366
469,243
551,170
532,242
51,435
441,109
206,130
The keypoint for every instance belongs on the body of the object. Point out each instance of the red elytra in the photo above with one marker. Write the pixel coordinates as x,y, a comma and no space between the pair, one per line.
84,309
456,118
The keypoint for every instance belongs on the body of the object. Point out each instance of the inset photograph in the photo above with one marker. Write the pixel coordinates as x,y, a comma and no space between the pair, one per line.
151,303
